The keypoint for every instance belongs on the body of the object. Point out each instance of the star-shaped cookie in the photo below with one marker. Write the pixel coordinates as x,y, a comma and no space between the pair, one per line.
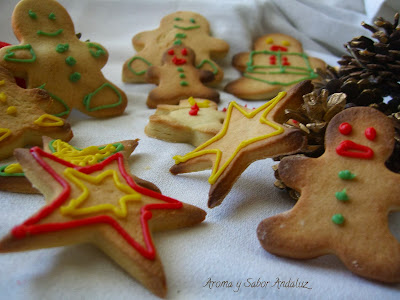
346,196
12,177
99,204
246,136
193,121
23,120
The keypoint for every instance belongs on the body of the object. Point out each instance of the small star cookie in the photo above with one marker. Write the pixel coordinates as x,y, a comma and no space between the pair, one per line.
12,177
182,27
276,64
246,136
22,118
193,121
99,204
177,78
51,57
346,196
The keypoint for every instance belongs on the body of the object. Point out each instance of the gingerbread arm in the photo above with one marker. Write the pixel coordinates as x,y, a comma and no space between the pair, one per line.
139,40
239,61
98,52
293,170
219,47
153,74
14,58
206,76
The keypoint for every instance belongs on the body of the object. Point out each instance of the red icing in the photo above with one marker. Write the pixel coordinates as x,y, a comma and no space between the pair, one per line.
350,149
278,48
345,128
194,110
33,226
370,133
20,81
178,61
184,51
171,52
272,60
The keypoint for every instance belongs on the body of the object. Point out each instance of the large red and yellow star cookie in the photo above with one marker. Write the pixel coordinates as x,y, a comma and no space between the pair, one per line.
22,120
246,136
99,204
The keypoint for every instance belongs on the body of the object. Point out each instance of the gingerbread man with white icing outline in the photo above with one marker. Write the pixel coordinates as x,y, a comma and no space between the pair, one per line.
51,57
346,195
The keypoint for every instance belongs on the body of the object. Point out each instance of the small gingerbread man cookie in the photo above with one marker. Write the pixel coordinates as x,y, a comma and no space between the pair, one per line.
346,195
51,57
193,121
178,78
177,28
276,63
22,119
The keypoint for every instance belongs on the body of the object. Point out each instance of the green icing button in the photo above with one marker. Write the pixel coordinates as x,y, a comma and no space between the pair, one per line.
70,61
61,48
74,77
346,175
338,219
342,196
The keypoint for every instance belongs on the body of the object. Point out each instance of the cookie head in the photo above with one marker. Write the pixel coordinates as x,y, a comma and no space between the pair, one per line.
186,21
360,133
179,55
37,20
278,42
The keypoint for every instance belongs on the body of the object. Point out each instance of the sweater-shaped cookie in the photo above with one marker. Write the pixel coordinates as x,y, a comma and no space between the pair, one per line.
51,57
346,195
186,27
178,78
276,63
22,118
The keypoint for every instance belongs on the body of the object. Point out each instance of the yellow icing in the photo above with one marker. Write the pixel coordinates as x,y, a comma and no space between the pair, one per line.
4,133
285,43
217,170
269,40
3,97
81,157
11,110
2,82
13,168
200,104
47,120
74,206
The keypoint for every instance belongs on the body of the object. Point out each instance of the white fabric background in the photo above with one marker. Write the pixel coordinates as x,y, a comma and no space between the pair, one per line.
225,246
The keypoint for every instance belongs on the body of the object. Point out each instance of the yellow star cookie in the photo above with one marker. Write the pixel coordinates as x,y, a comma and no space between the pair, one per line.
22,118
99,204
184,123
276,64
346,196
246,136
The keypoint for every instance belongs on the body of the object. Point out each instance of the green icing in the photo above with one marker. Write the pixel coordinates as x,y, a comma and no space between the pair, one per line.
209,62
52,16
342,195
338,219
132,60
180,35
307,71
88,98
184,83
346,175
192,20
55,33
182,75
61,48
67,108
74,77
180,69
32,14
99,51
9,54
70,61
187,28
178,19
4,174
178,42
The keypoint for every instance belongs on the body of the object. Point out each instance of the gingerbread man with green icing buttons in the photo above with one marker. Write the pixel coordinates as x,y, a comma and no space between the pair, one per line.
346,196
276,64
51,57
182,27
179,79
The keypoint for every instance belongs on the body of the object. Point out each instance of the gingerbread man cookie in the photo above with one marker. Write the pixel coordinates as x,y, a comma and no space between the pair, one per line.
276,63
51,57
12,177
246,136
186,27
193,121
22,119
99,204
346,195
177,78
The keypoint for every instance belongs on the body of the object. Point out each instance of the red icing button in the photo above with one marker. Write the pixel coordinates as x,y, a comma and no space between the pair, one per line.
370,133
345,128
184,51
194,110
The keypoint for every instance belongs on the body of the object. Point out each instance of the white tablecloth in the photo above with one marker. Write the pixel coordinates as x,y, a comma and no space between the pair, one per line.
225,247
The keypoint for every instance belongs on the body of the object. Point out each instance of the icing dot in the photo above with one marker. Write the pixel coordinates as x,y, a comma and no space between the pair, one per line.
192,20
342,195
32,14
61,48
11,110
184,83
346,175
178,42
269,41
180,35
338,219
171,52
370,133
182,75
52,16
285,43
180,69
74,77
345,128
184,51
178,19
70,61
3,97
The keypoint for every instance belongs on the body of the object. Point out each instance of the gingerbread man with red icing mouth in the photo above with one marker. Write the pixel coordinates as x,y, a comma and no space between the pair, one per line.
51,57
177,78
346,195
